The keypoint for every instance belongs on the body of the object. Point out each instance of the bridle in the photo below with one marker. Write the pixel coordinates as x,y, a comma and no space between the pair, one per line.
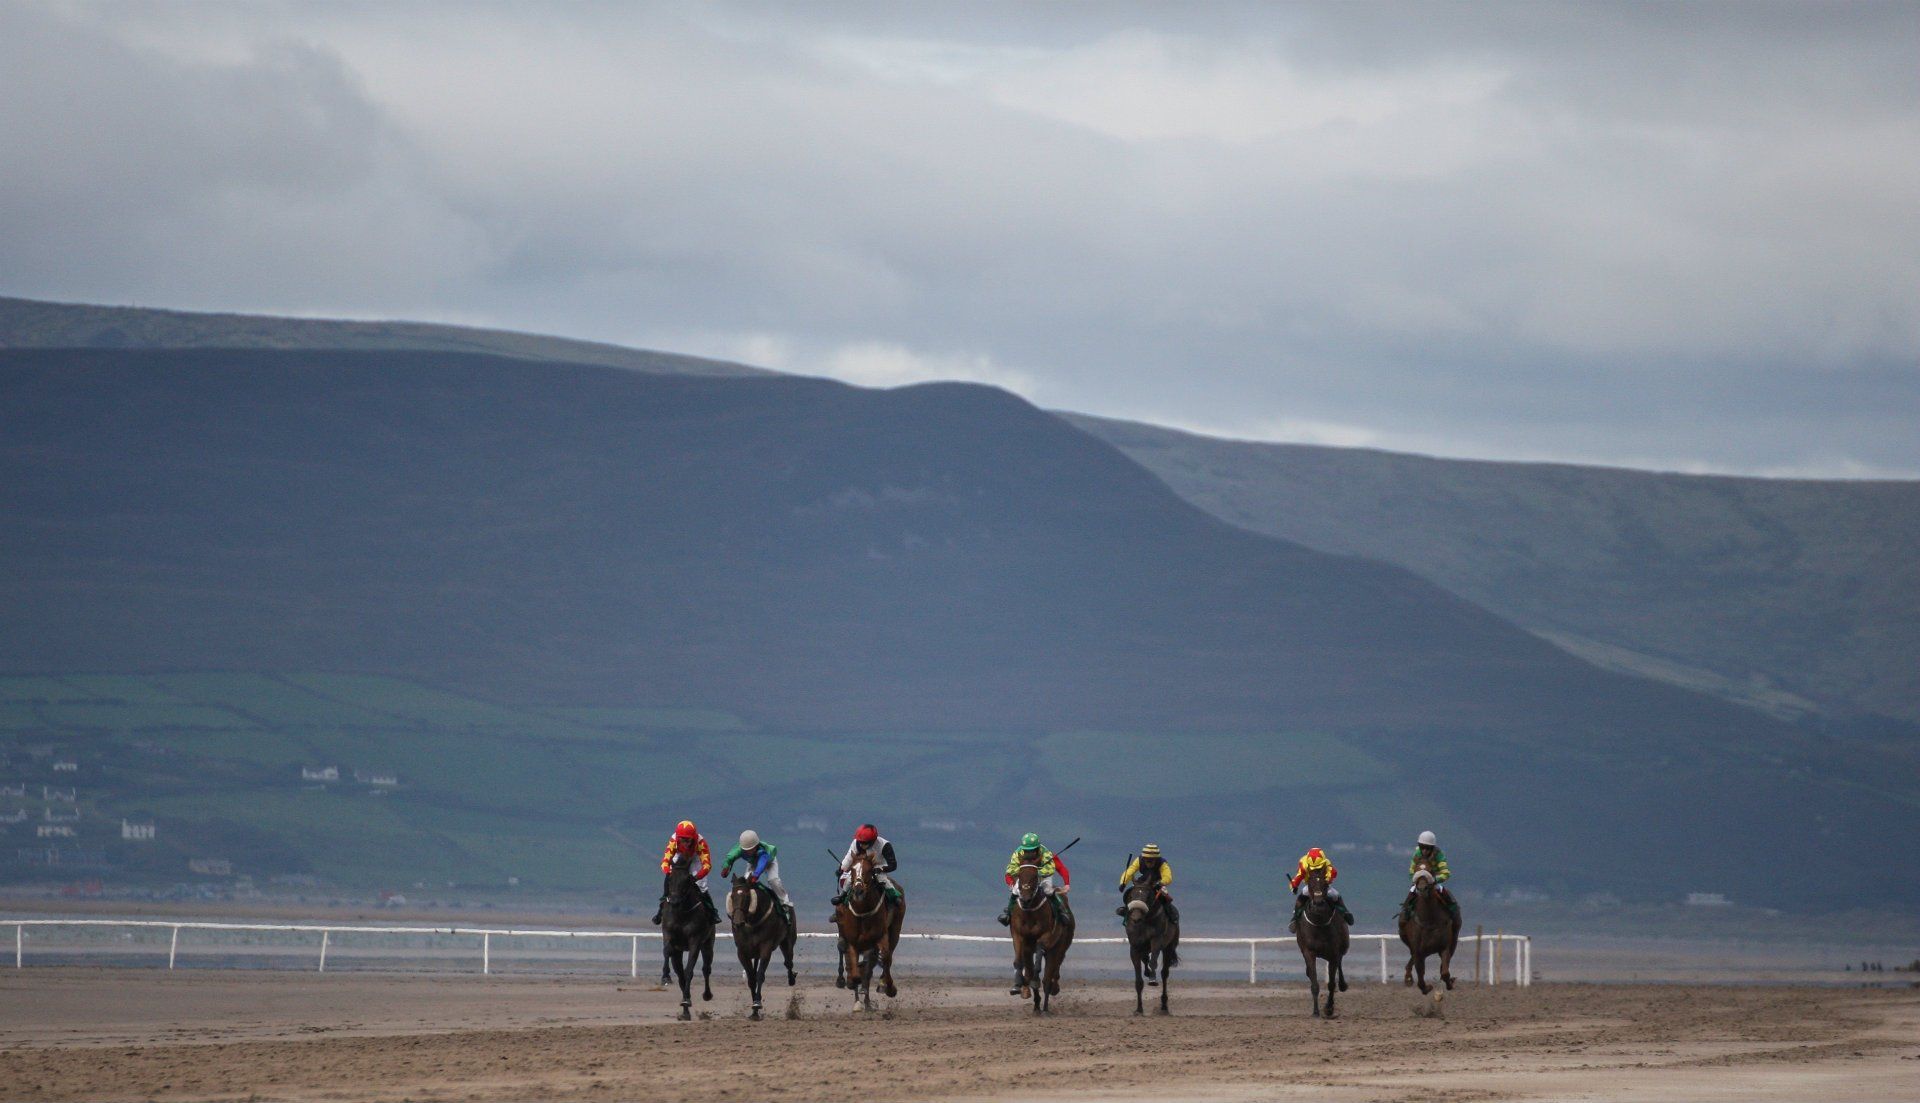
859,871
1020,895
753,902
1424,884
1322,902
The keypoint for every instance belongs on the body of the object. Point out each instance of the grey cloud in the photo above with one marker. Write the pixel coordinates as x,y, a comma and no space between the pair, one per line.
1671,235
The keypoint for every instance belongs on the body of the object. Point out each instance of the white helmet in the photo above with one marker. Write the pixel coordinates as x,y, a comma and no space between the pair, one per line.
749,839
1426,839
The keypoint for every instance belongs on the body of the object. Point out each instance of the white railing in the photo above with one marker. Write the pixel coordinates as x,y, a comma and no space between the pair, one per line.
1520,973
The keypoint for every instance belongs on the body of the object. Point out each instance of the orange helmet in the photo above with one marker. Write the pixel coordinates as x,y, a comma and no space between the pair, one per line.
685,830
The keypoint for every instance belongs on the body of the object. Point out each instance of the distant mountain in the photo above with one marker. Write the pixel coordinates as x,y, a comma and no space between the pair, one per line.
1790,595
31,323
1795,597
954,608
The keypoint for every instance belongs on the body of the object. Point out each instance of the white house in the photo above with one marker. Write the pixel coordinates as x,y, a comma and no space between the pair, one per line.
54,831
212,867
19,790
140,832
66,766
62,815
54,792
319,773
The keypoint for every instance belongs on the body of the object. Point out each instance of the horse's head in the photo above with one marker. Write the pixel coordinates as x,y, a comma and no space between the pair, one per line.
1317,884
1026,881
745,903
1140,897
860,877
1423,881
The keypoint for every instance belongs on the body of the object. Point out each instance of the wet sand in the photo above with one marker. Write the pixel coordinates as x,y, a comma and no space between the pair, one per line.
69,1033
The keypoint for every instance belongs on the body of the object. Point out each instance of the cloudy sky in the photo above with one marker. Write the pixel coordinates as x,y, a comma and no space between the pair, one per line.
1683,236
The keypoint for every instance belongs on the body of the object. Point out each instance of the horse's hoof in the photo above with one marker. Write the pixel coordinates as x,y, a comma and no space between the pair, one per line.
1449,981
1408,983
706,995
1164,1011
792,979
1138,1011
686,1014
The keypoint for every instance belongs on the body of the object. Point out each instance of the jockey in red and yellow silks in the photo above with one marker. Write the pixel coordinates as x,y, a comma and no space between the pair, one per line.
686,839
1312,860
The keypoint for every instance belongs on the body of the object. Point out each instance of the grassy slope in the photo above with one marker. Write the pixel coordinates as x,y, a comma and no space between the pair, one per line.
1784,594
29,323
561,798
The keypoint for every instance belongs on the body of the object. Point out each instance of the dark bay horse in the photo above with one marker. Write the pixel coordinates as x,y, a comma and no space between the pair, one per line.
869,920
686,933
1322,937
1432,930
759,927
1153,935
1040,939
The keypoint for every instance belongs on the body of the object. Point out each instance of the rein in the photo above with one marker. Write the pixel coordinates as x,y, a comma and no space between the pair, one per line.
879,896
1039,897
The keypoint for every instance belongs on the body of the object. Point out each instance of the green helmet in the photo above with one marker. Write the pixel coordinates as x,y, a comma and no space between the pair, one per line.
1030,841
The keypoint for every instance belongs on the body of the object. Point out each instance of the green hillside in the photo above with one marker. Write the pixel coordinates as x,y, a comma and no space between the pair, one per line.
1793,596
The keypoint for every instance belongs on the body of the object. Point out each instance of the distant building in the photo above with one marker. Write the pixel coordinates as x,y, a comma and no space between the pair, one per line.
945,825
210,867
19,790
54,792
54,831
17,815
66,766
384,778
319,773
68,857
811,823
62,814
138,832
1708,900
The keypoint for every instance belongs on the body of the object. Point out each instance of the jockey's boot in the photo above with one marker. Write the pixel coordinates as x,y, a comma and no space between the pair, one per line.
1173,912
1406,907
658,909
894,894
1293,925
1006,913
793,922
713,911
1341,906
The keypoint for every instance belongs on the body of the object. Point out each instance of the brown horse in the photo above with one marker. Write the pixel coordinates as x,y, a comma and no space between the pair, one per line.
759,928
869,920
1322,937
1040,939
1152,933
1432,930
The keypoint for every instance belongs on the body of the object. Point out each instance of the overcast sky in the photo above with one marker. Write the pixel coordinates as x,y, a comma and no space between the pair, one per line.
1683,236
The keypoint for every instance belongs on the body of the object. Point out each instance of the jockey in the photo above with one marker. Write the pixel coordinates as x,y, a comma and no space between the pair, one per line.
686,839
763,867
1031,852
1155,868
867,840
1428,851
1313,859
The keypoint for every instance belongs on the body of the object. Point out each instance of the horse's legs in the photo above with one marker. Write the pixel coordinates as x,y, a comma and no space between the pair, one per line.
1139,982
1166,980
786,954
666,958
1412,954
840,963
867,968
1341,965
885,950
1333,982
706,968
683,974
1313,981
1420,964
1446,964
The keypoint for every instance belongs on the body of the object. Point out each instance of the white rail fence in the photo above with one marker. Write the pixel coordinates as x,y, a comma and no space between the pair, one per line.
1518,948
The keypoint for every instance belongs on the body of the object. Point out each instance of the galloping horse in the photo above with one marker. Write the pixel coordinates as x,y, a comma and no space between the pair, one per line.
1039,936
759,926
1432,930
686,933
1322,937
869,920
1151,933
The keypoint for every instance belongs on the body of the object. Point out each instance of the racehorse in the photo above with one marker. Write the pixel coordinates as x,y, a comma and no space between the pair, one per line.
869,920
1432,930
1322,937
1151,934
1040,939
686,933
759,926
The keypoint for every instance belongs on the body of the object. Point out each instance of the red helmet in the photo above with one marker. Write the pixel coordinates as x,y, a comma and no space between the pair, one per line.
1315,853
866,834
685,830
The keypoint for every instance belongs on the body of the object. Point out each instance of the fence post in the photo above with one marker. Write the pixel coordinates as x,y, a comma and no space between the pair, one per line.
633,966
486,952
324,937
173,948
1479,939
19,944
1253,950
1383,961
